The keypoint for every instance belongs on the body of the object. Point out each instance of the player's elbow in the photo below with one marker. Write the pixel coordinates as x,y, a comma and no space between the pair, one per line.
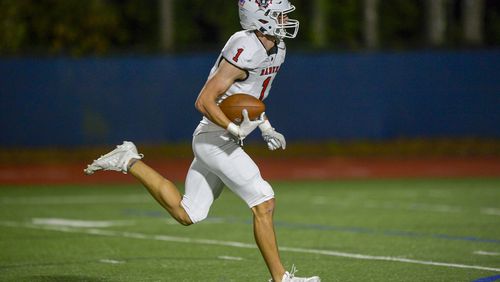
202,104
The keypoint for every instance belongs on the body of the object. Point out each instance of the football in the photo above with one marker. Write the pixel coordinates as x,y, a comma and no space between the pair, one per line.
234,104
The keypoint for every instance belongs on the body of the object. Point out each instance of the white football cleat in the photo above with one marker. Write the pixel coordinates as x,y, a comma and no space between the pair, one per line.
290,277
116,160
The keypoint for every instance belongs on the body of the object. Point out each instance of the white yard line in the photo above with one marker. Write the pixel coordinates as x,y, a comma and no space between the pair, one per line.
490,211
78,223
483,253
238,245
229,258
111,261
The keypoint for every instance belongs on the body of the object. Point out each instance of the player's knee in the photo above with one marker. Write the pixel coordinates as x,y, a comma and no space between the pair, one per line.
192,212
265,209
180,215
186,221
193,216
262,193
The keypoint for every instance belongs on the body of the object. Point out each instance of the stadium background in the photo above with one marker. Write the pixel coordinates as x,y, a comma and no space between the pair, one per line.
418,80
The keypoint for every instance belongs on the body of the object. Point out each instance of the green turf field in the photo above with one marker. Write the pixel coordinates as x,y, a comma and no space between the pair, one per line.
377,230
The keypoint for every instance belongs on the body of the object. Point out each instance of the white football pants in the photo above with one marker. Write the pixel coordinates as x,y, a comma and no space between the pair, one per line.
219,161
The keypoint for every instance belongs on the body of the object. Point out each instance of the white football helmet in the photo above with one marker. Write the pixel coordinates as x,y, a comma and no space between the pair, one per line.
266,16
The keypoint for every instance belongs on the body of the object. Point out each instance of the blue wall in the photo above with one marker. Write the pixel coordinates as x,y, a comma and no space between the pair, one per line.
68,102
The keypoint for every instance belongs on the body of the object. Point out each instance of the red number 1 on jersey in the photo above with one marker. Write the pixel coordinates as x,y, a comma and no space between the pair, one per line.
265,84
237,56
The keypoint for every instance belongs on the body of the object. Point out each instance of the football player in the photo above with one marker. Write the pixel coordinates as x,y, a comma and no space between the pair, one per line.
247,64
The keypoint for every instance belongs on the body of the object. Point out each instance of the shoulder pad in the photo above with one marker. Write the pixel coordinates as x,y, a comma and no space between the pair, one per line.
243,50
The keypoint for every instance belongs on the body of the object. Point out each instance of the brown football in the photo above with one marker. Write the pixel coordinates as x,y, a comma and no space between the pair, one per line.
234,104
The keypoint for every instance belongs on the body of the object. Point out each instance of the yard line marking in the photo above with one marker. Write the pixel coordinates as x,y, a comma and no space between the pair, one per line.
229,258
78,223
385,258
483,253
239,245
111,261
490,211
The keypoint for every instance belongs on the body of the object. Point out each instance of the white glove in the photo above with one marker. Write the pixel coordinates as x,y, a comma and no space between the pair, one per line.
273,138
246,127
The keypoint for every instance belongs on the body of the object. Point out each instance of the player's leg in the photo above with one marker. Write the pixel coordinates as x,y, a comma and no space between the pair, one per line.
125,158
202,187
239,172
265,237
163,190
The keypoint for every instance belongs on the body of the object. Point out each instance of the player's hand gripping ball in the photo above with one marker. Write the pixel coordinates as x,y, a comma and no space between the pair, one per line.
233,105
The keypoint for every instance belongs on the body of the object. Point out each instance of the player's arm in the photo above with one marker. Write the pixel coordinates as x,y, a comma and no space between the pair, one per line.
273,138
216,85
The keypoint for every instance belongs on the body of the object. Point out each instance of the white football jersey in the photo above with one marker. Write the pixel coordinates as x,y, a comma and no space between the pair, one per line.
245,51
